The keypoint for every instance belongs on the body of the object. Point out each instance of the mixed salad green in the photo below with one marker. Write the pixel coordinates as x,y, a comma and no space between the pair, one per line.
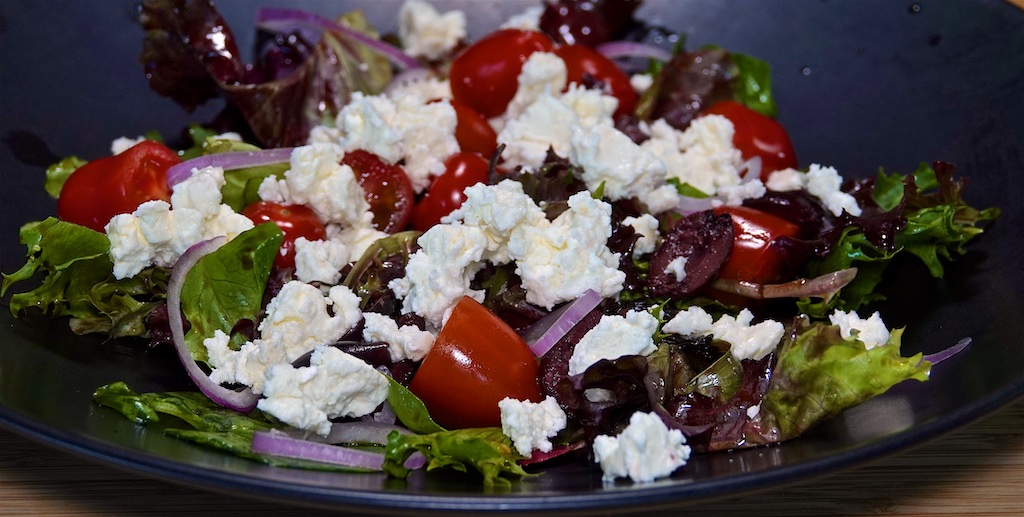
646,307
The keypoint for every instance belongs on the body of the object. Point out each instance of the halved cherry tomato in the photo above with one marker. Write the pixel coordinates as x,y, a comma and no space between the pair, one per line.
753,258
485,74
116,184
294,221
580,60
445,193
388,189
472,131
476,361
757,135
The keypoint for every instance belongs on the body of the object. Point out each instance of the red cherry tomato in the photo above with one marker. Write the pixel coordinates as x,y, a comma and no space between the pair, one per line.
294,221
753,258
388,190
472,131
446,191
476,361
485,74
581,60
116,184
757,135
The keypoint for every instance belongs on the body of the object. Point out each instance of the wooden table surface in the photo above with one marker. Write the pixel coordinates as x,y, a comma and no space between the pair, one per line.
976,470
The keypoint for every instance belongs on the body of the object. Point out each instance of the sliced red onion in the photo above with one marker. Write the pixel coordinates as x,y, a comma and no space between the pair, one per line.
622,49
691,205
286,20
942,355
543,334
362,432
227,161
276,443
823,286
751,169
242,401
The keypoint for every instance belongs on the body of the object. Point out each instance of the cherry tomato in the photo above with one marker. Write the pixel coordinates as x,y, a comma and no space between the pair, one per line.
116,184
445,193
472,131
753,258
757,135
581,60
294,221
485,74
476,361
388,190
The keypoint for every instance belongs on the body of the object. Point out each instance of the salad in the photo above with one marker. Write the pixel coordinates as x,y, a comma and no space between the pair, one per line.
557,242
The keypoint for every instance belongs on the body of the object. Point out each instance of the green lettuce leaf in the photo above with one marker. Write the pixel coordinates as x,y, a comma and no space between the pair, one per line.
819,374
227,286
410,410
214,426
487,450
752,85
58,173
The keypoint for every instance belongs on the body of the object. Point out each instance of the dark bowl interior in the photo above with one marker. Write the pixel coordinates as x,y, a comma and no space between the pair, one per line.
859,85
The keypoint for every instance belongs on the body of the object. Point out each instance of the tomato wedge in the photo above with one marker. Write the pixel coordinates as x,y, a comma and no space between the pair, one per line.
294,221
582,61
758,135
476,361
388,189
485,74
446,192
754,258
118,184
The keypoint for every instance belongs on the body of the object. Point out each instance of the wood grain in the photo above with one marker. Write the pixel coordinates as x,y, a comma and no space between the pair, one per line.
975,471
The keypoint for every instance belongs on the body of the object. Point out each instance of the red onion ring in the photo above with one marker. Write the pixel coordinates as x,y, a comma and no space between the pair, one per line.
227,161
543,334
285,20
621,49
242,401
277,443
942,355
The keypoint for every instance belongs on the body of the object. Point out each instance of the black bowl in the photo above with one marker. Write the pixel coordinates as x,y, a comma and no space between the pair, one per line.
859,85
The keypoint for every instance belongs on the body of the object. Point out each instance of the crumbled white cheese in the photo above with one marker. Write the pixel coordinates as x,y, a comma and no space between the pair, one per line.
872,331
497,210
528,20
158,233
824,183
438,275
753,411
694,321
702,156
357,238
646,226
748,341
405,342
335,384
298,319
612,161
425,32
613,337
401,127
427,88
641,82
733,195
644,451
531,424
123,143
320,261
786,180
543,72
317,178
560,260
545,124
677,268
